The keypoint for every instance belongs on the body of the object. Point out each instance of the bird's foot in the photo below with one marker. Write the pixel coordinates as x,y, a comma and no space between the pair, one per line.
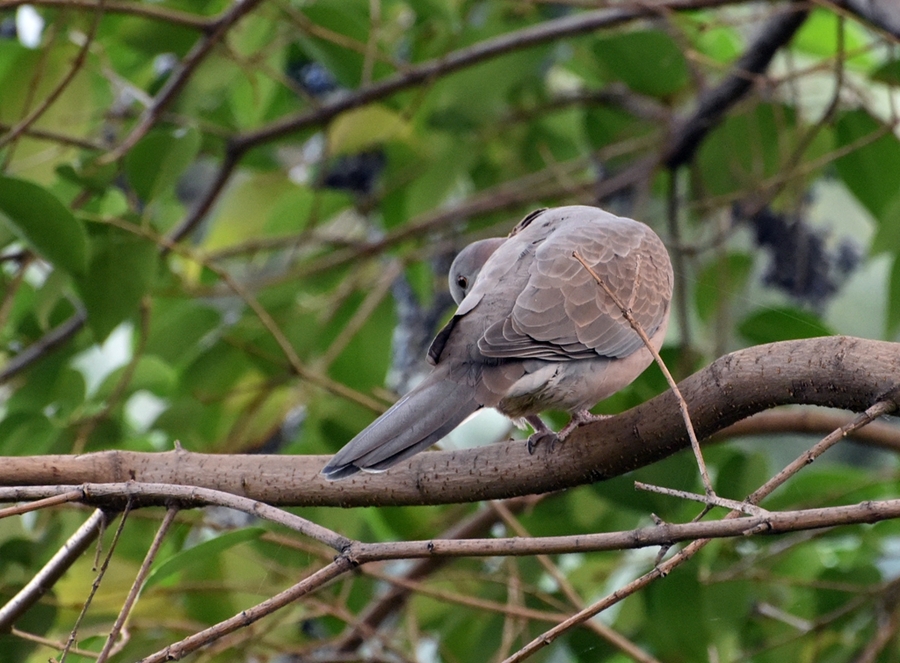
579,418
541,435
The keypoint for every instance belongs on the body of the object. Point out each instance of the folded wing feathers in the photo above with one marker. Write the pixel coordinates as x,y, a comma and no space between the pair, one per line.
562,314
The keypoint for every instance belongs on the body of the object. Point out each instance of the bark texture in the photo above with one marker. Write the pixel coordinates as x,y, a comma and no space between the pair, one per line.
840,371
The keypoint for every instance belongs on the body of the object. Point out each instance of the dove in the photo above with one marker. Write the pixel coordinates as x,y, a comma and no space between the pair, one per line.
533,331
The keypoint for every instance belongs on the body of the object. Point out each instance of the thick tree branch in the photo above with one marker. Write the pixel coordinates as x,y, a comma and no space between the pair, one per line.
843,372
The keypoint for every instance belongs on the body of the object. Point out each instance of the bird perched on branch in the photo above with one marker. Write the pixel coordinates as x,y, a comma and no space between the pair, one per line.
533,331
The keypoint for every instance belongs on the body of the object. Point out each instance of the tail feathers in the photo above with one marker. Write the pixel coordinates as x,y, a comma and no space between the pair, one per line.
415,422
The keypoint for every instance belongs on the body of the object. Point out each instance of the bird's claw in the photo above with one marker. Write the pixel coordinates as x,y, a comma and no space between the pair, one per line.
542,437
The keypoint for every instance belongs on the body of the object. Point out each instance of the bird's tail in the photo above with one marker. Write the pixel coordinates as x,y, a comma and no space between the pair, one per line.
422,417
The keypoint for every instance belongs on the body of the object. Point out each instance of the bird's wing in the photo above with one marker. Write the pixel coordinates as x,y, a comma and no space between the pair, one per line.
559,311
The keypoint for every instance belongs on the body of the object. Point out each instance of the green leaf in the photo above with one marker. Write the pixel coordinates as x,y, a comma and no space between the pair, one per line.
177,328
888,73
604,126
718,282
366,127
893,303
155,163
151,374
746,148
741,473
870,170
89,173
685,631
348,19
246,209
121,271
26,434
462,101
819,36
719,42
782,324
628,57
887,234
214,373
202,553
43,222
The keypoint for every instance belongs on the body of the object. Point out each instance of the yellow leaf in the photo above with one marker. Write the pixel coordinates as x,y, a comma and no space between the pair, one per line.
364,128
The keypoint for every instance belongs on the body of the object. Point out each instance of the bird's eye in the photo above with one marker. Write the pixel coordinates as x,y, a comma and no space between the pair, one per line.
462,282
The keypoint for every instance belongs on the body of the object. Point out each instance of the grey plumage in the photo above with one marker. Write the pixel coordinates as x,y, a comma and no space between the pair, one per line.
533,331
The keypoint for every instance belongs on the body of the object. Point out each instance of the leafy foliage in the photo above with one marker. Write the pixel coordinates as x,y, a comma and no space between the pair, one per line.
233,221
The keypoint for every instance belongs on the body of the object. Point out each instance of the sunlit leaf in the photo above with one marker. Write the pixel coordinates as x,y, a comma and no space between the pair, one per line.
819,36
366,127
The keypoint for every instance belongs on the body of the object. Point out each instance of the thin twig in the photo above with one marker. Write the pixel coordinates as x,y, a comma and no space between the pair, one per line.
43,346
419,588
872,413
47,642
138,583
101,573
75,67
661,570
142,10
53,570
179,650
179,78
682,404
775,522
198,496
709,500
817,422
55,137
608,633
62,498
